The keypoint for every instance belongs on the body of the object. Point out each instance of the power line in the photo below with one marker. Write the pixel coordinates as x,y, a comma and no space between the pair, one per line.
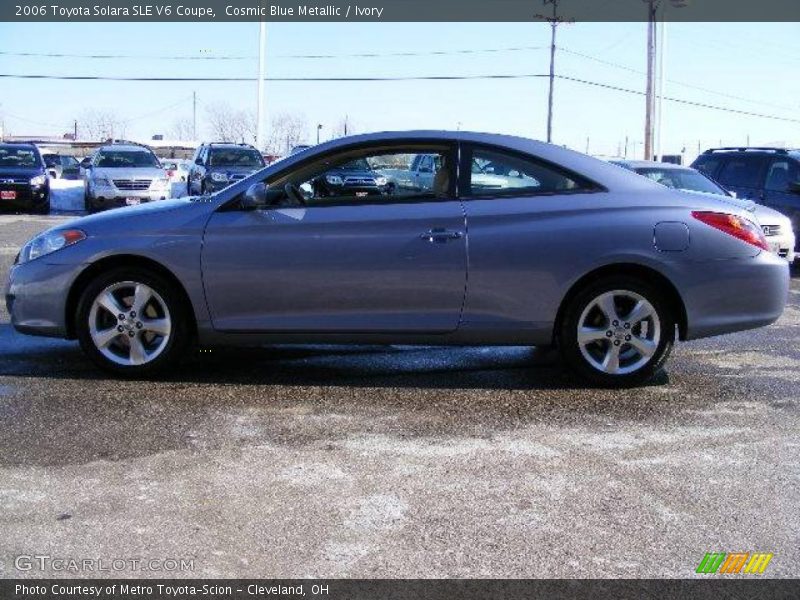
681,83
397,79
296,56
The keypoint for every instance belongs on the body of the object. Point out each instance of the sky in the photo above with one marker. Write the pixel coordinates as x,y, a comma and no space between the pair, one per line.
740,66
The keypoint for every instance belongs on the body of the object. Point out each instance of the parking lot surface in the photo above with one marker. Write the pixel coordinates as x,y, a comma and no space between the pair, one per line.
399,462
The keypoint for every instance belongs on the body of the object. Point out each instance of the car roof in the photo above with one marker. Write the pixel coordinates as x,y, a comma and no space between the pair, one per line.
229,145
17,145
125,148
733,150
599,171
650,164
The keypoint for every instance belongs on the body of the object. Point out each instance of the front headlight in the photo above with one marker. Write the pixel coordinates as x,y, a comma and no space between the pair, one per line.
221,177
381,181
160,184
49,242
38,180
102,181
333,179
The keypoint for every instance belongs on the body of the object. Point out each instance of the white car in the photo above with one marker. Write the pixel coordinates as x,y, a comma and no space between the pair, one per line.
177,169
777,227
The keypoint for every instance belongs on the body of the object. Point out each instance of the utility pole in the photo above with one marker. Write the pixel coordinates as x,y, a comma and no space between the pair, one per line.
659,129
554,21
262,46
75,129
319,128
652,7
194,116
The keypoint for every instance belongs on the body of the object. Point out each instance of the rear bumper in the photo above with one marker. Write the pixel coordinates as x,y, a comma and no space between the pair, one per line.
734,295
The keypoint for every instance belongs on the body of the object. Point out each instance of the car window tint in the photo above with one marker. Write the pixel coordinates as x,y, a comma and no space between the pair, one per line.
497,173
742,171
707,164
782,172
18,157
379,177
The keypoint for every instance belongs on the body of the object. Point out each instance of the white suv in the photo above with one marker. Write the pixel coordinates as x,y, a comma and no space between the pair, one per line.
123,175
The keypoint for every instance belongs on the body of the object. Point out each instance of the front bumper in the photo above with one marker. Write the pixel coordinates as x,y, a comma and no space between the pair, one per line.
111,197
27,197
36,295
734,295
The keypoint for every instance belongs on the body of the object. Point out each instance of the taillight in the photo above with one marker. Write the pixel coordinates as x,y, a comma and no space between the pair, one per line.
738,227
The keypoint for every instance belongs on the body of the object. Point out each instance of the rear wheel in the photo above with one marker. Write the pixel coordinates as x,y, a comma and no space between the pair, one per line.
617,332
132,322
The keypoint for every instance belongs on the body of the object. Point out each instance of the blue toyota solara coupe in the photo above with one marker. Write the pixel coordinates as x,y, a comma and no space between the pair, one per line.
498,241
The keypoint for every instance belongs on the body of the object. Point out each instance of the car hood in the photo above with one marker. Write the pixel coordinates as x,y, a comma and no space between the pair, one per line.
221,169
132,173
20,172
156,215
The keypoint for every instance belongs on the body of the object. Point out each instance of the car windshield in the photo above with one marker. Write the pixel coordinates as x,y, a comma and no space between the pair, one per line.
69,161
235,157
682,179
125,159
50,160
18,157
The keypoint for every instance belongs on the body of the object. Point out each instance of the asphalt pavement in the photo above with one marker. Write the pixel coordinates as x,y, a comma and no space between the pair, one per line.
391,461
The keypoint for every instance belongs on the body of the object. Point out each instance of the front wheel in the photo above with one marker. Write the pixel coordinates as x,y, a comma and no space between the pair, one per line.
617,332
132,322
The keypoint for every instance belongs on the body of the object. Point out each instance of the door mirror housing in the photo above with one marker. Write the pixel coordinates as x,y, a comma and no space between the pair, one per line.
199,162
794,186
255,197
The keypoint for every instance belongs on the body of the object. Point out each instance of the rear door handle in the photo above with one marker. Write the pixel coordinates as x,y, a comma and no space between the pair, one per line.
440,235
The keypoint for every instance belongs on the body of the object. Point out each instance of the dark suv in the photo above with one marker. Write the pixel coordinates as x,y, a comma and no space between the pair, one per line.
769,176
23,179
216,166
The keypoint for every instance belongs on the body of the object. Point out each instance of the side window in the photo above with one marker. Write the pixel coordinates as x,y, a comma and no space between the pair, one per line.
378,177
742,171
494,173
782,172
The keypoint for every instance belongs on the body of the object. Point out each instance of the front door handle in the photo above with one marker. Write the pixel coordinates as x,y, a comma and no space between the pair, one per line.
440,235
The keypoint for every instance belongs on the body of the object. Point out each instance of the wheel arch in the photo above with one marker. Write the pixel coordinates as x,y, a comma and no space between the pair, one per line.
646,274
112,262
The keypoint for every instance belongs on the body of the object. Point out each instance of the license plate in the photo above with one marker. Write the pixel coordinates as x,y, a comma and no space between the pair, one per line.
132,201
8,195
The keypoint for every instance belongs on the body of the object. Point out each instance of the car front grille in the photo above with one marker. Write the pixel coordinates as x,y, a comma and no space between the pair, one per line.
133,185
771,230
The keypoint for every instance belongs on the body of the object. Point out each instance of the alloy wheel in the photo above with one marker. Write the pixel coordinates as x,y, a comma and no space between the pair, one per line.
129,323
619,332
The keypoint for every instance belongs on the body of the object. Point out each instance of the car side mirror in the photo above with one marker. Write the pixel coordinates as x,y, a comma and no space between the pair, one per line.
199,162
255,197
794,187
86,163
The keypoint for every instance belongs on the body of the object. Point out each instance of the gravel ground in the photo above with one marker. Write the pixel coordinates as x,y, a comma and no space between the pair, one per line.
399,462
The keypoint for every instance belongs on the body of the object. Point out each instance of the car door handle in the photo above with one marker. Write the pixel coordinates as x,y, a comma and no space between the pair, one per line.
439,235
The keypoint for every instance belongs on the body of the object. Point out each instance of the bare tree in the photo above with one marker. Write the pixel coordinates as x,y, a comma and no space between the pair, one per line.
182,129
231,125
286,130
100,124
344,127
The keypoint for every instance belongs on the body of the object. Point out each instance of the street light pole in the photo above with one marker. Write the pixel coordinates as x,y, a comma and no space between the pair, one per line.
262,45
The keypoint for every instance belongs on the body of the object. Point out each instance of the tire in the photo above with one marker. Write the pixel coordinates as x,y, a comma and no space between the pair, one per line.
603,338
43,209
135,346
87,203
